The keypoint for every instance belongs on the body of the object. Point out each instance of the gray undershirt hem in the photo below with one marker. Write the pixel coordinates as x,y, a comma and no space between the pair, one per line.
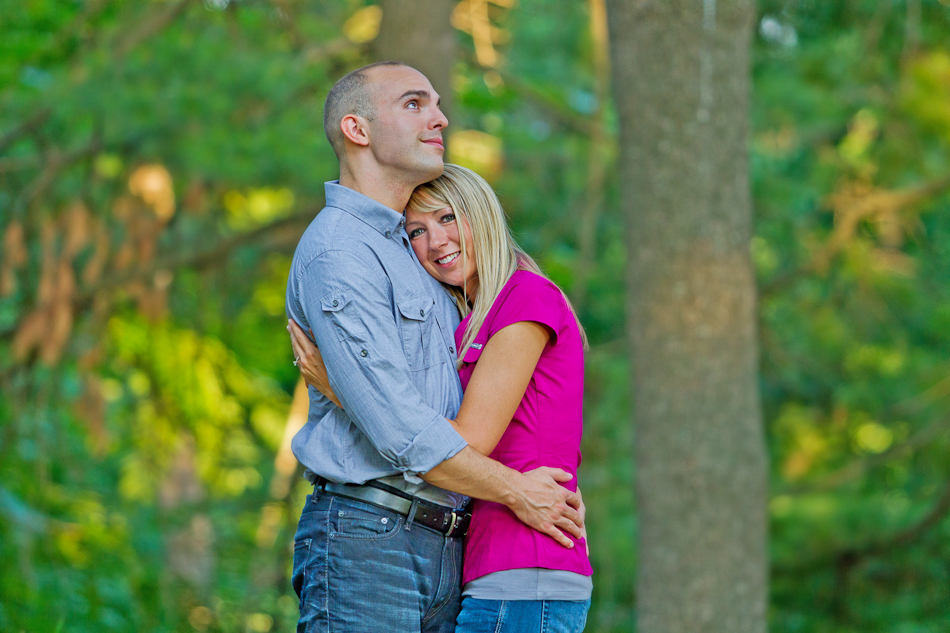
425,491
534,583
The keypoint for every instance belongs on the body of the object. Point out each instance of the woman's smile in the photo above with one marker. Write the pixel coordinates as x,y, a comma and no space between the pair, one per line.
448,259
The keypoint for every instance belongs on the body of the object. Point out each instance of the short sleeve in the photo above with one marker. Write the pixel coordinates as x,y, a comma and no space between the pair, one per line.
529,297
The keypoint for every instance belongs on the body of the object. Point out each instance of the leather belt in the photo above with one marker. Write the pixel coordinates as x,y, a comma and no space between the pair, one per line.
452,523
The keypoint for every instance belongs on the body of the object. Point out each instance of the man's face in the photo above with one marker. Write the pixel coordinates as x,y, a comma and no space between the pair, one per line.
406,135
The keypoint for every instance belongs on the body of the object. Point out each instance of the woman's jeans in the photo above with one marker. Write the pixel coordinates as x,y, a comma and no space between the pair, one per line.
357,569
522,616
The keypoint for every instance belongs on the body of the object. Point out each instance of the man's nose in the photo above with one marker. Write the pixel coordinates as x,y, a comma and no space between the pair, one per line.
439,121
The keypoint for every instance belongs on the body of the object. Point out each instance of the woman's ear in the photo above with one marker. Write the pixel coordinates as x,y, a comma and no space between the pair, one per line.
356,129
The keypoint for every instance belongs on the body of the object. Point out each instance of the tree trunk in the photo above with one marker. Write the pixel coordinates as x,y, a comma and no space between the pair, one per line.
681,85
420,33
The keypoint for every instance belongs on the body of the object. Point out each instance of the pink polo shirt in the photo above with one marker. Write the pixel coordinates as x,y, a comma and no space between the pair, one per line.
545,430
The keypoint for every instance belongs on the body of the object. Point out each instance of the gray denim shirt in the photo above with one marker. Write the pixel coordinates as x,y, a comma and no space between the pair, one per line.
386,330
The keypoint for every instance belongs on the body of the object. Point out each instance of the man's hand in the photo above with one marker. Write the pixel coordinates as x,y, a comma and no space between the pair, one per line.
543,504
582,510
535,497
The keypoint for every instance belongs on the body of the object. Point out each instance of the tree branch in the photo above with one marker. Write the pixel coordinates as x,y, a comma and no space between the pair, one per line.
157,21
551,106
55,163
25,127
857,468
280,234
904,198
847,558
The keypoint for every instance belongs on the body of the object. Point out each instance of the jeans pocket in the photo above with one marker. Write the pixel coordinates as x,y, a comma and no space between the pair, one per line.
301,558
361,521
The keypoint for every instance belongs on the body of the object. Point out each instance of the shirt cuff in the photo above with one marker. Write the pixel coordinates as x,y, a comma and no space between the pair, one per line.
430,447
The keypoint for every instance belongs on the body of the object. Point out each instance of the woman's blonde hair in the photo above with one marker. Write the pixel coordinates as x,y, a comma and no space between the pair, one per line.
497,255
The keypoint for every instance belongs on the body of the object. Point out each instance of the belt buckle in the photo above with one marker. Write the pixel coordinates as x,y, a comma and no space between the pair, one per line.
459,522
452,524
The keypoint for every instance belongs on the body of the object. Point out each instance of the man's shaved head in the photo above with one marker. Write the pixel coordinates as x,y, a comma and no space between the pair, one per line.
353,94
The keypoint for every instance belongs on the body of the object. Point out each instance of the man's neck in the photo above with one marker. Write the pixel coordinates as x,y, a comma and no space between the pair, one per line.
384,190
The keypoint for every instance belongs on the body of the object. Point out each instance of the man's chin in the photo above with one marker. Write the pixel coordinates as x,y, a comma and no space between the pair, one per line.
431,171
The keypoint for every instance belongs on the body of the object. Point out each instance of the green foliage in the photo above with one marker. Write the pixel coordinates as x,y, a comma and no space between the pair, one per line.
854,344
163,157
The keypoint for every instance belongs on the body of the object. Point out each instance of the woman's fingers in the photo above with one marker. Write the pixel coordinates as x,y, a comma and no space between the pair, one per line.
304,349
296,335
298,351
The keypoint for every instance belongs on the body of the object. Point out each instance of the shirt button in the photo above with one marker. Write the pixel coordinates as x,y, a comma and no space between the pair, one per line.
363,353
335,303
389,233
422,312
452,349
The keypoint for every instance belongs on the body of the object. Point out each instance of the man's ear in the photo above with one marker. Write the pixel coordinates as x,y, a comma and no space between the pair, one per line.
356,129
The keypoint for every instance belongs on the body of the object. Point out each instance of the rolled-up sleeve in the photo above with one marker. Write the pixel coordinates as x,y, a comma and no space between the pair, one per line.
349,306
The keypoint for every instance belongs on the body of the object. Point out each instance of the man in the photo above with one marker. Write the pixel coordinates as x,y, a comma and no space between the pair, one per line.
378,548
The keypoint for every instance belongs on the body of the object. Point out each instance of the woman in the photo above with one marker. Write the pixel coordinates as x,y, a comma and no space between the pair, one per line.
521,363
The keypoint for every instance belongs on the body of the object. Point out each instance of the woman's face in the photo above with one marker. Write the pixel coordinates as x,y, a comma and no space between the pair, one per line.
435,239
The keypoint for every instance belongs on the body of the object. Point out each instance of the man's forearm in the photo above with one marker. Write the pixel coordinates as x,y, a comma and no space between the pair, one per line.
472,474
536,498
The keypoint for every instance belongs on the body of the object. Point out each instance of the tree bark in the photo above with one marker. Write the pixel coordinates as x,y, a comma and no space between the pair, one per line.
681,84
420,34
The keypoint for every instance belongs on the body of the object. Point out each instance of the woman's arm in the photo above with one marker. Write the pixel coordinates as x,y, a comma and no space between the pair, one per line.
498,383
494,392
310,362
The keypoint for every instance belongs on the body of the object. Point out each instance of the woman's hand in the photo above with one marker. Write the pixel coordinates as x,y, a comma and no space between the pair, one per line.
310,362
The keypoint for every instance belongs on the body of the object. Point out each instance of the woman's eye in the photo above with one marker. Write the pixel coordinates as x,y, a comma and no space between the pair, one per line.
413,234
448,217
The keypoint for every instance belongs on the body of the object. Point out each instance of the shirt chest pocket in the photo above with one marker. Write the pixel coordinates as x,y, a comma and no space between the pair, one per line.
418,332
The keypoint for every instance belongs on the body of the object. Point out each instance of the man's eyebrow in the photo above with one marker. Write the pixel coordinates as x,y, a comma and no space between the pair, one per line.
421,94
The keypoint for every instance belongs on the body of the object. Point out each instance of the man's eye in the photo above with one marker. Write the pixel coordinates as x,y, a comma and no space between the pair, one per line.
413,104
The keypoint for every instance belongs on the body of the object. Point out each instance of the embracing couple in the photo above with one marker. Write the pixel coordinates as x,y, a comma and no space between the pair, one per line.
406,247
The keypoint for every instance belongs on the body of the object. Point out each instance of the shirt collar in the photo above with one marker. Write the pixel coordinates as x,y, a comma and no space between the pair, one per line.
387,222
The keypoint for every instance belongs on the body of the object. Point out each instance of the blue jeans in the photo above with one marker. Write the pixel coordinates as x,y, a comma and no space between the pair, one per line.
357,568
522,616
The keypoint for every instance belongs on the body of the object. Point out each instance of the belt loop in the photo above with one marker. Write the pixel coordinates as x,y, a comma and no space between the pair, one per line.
412,513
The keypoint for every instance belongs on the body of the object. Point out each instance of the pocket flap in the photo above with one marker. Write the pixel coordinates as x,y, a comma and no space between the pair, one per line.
334,302
416,308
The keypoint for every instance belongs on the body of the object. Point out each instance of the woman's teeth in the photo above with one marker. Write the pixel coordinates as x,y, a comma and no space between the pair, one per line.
448,259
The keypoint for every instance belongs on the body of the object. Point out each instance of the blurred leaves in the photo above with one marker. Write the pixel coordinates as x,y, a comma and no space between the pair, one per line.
363,26
159,160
